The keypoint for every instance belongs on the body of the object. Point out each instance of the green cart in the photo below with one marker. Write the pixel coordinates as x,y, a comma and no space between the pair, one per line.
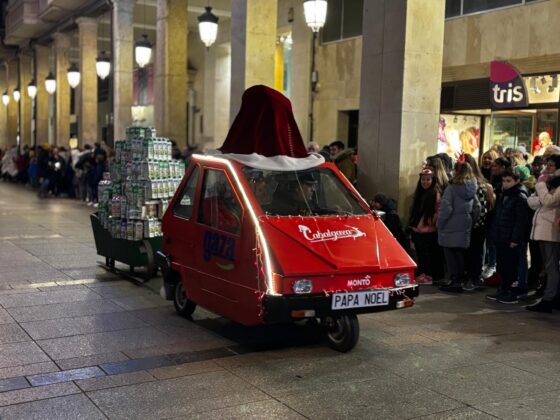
132,253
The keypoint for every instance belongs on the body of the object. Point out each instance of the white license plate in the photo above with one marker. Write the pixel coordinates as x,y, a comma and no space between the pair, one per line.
360,299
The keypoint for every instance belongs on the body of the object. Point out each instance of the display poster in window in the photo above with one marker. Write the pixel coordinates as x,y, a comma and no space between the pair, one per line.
459,134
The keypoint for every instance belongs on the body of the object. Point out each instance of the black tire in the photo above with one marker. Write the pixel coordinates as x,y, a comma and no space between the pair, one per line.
342,332
110,263
183,305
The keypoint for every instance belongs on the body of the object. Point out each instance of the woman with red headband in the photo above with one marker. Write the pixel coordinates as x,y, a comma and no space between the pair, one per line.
423,217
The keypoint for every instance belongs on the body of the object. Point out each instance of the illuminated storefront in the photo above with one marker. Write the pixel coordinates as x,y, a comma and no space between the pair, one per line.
511,112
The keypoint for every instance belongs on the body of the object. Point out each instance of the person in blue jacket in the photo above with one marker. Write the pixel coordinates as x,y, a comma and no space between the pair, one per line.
458,211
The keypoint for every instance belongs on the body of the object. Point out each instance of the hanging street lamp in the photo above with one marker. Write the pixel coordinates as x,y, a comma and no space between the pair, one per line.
17,94
315,13
103,66
32,89
5,98
143,51
73,76
50,84
208,27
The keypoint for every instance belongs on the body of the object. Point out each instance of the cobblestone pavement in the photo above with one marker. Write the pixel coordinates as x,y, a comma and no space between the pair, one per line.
79,342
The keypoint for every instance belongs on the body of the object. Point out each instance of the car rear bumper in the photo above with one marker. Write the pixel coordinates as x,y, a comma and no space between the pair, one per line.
290,308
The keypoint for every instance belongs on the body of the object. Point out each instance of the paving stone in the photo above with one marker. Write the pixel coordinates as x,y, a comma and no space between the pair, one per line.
93,360
543,405
484,383
268,409
458,414
81,325
26,352
384,397
118,291
5,317
38,393
185,369
47,298
12,384
134,365
141,302
63,310
31,369
198,393
65,376
72,407
88,344
115,381
12,333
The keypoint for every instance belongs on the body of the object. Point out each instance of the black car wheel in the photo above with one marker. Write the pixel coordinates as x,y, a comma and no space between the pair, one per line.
183,305
342,332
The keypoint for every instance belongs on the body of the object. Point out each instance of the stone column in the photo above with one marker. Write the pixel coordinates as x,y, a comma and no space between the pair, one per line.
301,71
399,95
253,42
87,106
3,110
25,74
62,95
42,66
123,56
170,88
12,112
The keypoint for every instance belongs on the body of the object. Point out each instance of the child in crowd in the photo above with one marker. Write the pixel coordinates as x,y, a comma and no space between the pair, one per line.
459,210
423,217
511,231
475,253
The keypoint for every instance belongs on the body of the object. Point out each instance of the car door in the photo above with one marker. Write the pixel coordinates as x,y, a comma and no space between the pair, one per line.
218,241
179,230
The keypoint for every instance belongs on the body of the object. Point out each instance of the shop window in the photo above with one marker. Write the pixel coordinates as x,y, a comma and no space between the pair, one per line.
219,207
344,20
185,205
510,131
455,8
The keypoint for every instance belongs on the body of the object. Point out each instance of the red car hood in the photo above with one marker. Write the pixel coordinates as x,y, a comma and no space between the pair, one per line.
332,245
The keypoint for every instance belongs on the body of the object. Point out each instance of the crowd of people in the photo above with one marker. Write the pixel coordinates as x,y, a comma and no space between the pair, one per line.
483,225
57,171
63,172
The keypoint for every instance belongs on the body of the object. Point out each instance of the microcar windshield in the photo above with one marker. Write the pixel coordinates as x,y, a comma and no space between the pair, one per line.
312,192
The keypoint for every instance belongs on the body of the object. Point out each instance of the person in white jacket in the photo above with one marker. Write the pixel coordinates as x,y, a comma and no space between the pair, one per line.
546,203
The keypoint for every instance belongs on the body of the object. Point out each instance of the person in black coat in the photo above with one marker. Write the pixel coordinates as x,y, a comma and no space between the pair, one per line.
511,233
391,218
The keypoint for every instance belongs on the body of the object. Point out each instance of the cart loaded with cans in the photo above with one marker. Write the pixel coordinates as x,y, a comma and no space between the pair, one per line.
133,196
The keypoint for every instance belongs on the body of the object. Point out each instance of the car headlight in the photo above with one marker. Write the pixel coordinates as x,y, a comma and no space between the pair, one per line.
303,286
402,279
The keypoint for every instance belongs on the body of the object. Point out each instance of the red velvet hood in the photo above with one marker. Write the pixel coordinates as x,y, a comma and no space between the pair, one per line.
265,125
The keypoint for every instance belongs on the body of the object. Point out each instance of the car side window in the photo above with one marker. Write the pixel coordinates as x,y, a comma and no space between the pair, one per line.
219,207
185,204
